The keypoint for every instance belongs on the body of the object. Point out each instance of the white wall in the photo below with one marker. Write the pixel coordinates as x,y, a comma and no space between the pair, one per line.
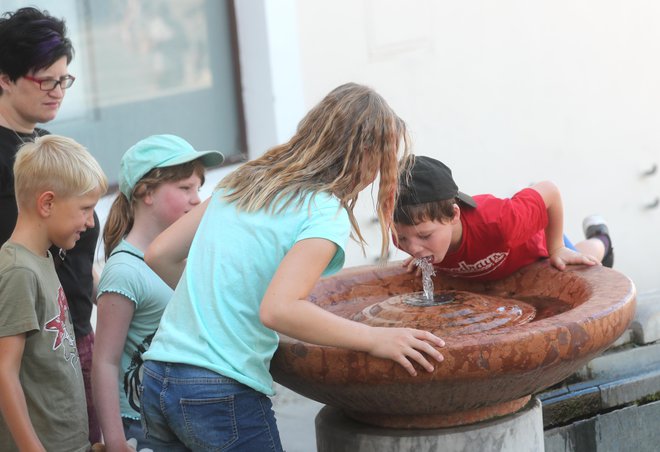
509,93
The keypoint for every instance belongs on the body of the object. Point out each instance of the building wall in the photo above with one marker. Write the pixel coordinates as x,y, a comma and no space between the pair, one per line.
507,93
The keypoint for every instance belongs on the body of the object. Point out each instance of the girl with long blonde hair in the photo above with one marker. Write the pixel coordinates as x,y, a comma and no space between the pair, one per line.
254,251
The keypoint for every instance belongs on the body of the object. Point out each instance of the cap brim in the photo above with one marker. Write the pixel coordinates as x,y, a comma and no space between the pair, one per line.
208,159
466,199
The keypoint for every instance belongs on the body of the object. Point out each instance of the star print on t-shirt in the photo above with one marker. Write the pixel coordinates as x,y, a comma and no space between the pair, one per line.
58,325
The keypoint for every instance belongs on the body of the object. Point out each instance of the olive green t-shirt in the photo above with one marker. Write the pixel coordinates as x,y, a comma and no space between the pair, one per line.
33,303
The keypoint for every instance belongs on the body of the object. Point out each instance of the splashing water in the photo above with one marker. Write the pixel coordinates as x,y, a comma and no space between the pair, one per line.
427,271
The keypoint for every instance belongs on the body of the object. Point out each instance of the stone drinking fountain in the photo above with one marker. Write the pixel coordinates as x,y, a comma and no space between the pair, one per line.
505,341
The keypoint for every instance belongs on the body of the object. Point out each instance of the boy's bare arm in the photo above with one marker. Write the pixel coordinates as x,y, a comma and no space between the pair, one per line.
560,256
554,231
12,399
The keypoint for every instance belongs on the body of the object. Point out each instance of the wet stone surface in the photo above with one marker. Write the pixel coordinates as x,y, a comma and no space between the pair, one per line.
463,313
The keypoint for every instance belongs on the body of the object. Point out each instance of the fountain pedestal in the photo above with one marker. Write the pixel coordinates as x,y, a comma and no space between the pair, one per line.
518,432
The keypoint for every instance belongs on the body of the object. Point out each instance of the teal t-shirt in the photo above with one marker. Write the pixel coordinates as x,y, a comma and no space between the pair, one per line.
213,320
126,273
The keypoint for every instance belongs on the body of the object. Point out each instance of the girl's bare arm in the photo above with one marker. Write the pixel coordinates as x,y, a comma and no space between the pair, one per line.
284,309
168,252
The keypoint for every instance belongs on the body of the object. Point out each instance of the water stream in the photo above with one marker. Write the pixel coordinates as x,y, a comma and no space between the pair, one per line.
427,272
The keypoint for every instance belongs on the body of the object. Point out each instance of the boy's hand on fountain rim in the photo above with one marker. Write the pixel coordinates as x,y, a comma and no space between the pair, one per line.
561,257
404,345
410,266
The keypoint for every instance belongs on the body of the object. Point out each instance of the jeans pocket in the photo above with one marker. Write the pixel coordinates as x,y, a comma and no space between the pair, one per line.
210,423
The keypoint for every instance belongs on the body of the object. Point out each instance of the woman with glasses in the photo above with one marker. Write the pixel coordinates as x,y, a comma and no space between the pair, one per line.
34,56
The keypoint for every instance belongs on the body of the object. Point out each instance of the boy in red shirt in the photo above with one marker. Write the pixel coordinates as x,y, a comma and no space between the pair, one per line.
485,237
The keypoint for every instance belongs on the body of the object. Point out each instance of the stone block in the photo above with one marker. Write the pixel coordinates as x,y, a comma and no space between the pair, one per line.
577,404
631,428
626,338
627,390
621,362
585,399
519,432
646,324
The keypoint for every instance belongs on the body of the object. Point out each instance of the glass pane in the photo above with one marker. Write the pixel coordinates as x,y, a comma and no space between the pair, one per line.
142,52
147,67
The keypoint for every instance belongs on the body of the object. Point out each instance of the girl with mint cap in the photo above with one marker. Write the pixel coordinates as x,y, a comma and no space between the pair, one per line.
159,180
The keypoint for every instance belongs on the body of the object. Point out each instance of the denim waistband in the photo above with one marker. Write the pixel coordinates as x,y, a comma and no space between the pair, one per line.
185,372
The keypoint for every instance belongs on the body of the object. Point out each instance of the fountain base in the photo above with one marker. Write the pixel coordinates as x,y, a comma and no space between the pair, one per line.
426,421
518,432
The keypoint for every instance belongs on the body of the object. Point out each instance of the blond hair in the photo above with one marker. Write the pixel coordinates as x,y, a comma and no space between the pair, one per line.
339,147
122,212
58,164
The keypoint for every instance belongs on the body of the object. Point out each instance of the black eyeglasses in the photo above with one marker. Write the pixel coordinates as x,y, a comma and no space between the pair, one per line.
49,84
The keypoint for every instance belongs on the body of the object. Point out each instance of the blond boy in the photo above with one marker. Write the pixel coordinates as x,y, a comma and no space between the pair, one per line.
42,398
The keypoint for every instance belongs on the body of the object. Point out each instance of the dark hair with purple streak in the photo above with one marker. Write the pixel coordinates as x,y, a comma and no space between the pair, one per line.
31,40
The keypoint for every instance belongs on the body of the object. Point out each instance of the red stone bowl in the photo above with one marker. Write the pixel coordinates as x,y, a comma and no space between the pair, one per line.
485,374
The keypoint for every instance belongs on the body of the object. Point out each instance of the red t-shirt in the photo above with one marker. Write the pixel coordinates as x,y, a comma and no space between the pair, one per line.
499,236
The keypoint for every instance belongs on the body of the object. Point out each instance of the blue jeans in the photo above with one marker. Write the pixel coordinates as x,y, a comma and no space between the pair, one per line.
190,408
568,243
133,429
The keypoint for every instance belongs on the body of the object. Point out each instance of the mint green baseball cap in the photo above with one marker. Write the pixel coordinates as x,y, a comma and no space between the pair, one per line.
159,151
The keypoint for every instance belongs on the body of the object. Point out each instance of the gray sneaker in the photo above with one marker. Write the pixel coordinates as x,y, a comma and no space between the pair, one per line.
595,225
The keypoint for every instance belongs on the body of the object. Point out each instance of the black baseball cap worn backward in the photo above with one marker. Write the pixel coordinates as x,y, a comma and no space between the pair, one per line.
430,180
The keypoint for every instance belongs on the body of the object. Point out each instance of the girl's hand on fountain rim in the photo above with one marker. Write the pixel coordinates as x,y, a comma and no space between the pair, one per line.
405,344
561,257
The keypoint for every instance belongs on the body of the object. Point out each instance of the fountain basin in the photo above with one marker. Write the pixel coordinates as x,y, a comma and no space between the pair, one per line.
486,373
